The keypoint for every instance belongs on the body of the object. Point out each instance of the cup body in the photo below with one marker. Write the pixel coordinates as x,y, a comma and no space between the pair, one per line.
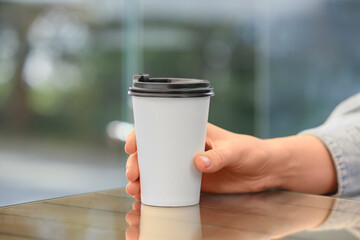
169,133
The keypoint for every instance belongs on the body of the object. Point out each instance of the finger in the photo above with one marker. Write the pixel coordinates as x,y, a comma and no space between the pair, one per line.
210,161
130,146
138,196
215,132
133,188
132,233
132,168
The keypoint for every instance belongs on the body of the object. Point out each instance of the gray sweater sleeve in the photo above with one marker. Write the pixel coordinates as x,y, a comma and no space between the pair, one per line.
341,135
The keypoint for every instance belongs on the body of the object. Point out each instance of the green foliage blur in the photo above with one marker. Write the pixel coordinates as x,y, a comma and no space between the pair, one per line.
61,69
231,73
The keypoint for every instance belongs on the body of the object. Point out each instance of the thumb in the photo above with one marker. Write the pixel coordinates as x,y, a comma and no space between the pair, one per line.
210,161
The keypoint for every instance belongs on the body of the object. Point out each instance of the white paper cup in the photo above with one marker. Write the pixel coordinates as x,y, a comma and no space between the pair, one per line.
170,223
170,131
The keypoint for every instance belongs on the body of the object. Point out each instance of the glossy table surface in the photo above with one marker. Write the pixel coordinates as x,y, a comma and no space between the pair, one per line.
113,214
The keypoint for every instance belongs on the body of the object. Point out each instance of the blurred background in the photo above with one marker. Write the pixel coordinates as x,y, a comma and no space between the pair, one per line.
277,67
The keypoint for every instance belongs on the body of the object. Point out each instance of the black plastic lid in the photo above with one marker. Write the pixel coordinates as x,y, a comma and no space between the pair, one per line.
144,86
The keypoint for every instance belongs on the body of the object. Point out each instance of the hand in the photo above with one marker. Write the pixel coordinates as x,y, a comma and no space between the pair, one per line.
231,163
235,163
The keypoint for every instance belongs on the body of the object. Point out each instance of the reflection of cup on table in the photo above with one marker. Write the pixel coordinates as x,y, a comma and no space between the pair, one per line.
170,116
163,223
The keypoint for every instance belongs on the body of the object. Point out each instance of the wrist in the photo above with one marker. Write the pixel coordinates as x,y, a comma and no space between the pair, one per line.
303,163
283,169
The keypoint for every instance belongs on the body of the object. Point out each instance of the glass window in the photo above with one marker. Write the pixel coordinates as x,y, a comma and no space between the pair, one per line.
277,67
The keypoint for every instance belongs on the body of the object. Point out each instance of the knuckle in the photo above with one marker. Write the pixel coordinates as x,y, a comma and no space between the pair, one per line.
132,159
219,155
128,176
127,188
128,162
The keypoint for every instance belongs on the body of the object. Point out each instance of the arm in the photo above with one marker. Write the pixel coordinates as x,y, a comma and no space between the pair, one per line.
321,160
241,163
303,163
236,163
341,135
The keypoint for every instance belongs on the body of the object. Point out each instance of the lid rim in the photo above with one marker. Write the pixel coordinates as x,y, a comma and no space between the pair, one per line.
197,95
145,86
180,90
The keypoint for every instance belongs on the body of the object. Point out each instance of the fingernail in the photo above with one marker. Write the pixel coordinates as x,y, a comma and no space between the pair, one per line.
206,161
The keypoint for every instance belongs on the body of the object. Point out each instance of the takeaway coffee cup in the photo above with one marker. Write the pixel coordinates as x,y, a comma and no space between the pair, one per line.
170,116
